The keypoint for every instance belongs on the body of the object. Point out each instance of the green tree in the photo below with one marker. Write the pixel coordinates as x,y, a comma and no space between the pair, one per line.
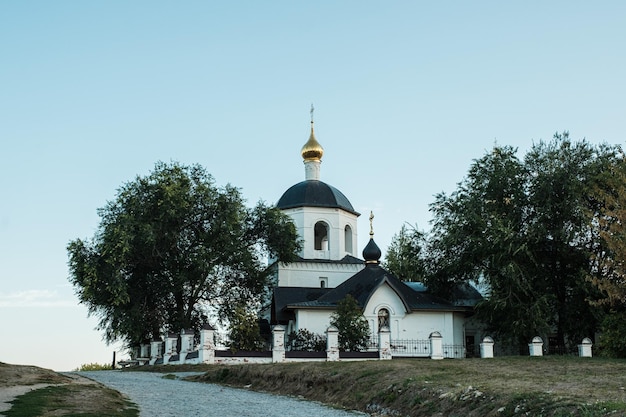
244,331
172,248
405,258
608,270
609,218
522,228
354,332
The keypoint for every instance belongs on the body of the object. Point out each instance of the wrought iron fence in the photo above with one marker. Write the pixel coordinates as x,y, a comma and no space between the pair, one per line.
410,347
454,351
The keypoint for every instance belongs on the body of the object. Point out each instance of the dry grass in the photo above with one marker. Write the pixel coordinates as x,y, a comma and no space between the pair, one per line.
59,395
554,386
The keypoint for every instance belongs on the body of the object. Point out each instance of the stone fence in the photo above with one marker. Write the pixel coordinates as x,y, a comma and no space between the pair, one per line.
535,347
165,351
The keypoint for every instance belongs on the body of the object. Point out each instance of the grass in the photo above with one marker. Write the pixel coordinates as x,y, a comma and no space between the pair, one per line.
72,400
511,386
508,386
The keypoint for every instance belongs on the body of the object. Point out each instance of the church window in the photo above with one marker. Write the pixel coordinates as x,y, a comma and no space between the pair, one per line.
323,282
348,238
383,318
321,236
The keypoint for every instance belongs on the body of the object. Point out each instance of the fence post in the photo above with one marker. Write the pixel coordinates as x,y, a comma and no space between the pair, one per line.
207,346
584,349
384,343
278,344
436,345
170,347
144,353
155,350
486,348
536,346
332,344
186,344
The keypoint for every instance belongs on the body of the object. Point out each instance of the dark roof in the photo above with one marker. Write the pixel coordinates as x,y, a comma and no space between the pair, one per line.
364,283
314,193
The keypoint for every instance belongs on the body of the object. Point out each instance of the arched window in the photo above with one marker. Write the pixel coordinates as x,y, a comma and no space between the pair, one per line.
321,236
383,318
348,238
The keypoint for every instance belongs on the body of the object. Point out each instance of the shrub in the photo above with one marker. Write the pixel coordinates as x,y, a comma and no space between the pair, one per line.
94,367
305,340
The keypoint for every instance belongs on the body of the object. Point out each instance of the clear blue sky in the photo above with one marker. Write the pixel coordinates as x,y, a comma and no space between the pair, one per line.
407,94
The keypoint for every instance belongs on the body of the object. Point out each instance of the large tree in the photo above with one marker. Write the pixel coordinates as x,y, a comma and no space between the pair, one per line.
521,226
172,248
608,270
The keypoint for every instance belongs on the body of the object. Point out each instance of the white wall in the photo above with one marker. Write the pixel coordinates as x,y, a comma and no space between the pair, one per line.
308,274
316,321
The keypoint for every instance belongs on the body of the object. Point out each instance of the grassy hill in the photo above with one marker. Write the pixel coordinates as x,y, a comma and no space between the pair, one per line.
508,386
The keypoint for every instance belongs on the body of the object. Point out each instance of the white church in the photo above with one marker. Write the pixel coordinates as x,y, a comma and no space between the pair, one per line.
328,269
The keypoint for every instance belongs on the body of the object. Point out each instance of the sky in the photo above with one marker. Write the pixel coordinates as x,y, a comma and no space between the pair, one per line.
406,95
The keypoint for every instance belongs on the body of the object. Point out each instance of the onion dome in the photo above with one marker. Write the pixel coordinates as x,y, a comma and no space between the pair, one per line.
312,150
372,252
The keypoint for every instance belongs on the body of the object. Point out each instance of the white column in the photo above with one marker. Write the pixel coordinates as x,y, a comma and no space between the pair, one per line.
332,344
155,351
170,347
436,345
207,346
278,344
384,343
186,343
486,348
536,346
584,349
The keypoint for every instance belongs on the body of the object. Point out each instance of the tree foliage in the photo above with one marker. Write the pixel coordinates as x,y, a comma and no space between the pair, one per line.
170,248
305,340
244,330
354,331
609,220
405,257
523,227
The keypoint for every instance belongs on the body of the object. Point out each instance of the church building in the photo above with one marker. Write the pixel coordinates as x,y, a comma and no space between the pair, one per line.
328,269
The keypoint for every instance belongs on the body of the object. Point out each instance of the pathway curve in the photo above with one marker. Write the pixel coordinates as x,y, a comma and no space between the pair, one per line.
160,397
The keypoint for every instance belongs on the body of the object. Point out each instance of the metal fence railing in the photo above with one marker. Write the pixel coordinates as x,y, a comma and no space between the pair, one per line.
454,351
410,347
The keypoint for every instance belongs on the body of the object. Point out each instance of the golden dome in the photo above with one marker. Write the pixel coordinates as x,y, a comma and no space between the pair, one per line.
312,150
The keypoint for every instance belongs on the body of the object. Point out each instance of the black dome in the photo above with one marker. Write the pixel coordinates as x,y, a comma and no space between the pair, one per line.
314,193
371,253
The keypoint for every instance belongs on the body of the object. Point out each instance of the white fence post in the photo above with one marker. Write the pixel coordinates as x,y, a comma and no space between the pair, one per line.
436,345
584,349
332,344
536,346
186,343
155,350
170,347
207,346
486,348
278,344
384,343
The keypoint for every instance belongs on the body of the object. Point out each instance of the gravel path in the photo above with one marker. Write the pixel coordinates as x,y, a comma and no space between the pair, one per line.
160,397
